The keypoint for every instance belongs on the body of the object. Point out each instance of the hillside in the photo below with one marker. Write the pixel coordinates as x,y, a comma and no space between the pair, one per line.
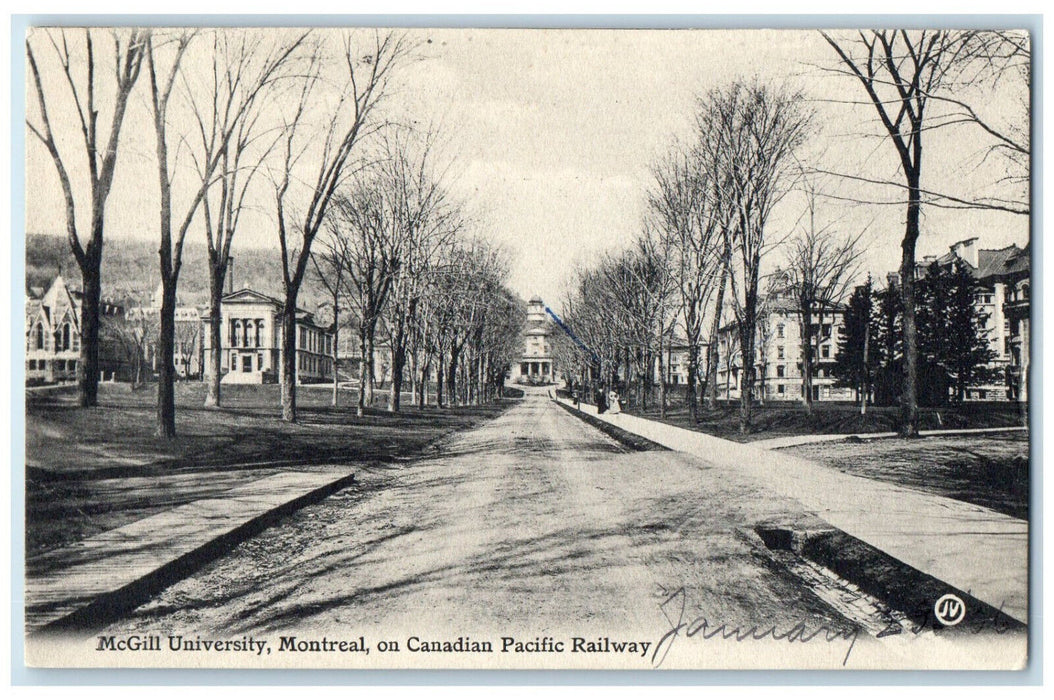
130,269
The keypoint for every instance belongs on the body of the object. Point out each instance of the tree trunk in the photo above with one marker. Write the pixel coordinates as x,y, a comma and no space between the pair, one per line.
212,381
864,379
746,391
909,408
370,378
398,363
166,370
88,365
662,380
289,359
423,398
806,356
691,389
713,357
360,407
440,377
335,356
451,378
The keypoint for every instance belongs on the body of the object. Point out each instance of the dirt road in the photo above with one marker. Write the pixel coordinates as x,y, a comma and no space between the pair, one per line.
533,525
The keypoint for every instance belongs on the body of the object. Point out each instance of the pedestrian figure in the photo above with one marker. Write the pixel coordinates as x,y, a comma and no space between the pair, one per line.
602,402
614,405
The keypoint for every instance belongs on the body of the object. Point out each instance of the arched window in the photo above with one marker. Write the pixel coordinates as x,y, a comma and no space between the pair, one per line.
259,328
1024,292
237,334
65,336
40,336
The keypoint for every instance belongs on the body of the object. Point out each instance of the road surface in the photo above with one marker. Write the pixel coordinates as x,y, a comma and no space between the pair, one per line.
534,525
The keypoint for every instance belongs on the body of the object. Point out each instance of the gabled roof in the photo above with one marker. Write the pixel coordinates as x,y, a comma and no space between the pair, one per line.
1005,261
250,296
1010,260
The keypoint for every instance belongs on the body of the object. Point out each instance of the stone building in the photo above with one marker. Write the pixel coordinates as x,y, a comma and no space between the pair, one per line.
1003,305
252,341
535,365
778,350
53,335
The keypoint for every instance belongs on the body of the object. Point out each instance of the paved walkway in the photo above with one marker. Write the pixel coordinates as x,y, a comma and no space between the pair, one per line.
104,572
795,440
972,548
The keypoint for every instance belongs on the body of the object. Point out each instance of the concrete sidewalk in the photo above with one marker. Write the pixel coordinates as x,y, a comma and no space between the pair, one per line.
795,440
86,584
974,549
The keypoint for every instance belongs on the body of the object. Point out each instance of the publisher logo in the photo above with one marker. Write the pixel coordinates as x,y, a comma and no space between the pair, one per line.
950,610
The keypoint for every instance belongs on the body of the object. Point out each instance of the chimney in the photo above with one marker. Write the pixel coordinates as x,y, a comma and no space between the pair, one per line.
966,250
230,274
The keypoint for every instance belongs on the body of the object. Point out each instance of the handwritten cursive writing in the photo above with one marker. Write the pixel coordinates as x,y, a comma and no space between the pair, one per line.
674,607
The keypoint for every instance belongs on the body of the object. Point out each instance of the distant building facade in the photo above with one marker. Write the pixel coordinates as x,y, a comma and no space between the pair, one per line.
778,350
535,364
1003,305
53,335
188,355
251,339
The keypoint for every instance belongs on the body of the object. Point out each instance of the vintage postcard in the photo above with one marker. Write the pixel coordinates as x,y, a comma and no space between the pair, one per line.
481,348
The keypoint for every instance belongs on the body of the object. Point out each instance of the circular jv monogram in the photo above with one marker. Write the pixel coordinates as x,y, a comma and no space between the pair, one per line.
949,609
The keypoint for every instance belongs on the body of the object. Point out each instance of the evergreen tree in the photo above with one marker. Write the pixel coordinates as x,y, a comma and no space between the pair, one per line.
887,348
932,302
854,362
967,351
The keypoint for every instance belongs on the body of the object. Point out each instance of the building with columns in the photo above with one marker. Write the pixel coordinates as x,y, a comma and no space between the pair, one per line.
252,341
535,365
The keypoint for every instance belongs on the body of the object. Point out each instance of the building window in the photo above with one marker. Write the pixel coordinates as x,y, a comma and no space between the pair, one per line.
780,370
40,336
236,337
825,351
779,331
779,352
65,336
780,389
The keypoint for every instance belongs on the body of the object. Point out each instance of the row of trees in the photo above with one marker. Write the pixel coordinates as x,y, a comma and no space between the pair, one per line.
701,247
241,119
698,261
954,349
396,258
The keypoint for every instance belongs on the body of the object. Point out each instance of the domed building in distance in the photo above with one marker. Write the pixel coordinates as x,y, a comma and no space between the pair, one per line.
535,365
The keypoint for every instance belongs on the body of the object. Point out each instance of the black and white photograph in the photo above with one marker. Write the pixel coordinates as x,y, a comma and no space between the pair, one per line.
357,347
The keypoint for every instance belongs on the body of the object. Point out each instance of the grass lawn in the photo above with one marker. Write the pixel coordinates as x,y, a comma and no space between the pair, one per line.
92,469
786,418
986,470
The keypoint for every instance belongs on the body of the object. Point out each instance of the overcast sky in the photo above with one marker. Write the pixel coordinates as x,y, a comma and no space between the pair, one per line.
552,134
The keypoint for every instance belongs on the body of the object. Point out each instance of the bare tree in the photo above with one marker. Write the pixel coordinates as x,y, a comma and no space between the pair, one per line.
332,268
246,69
100,150
751,135
682,207
427,220
821,266
900,71
134,335
374,241
344,117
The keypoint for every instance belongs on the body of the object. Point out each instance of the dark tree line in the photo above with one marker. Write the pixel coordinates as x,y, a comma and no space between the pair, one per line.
954,351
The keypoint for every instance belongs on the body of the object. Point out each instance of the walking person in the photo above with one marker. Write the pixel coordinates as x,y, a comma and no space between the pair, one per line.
614,405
